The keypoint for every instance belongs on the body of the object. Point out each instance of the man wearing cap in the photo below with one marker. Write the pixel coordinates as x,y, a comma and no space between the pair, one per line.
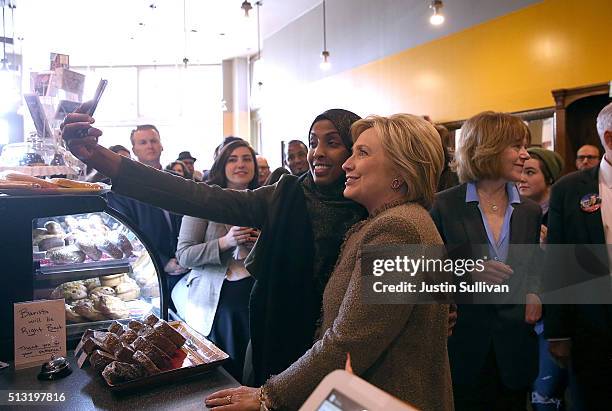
588,156
578,326
189,160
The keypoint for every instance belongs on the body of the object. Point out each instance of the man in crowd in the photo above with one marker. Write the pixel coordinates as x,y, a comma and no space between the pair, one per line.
189,161
159,226
587,157
578,325
264,169
295,157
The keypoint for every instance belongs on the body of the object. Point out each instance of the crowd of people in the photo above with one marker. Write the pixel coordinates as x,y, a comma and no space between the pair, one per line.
274,271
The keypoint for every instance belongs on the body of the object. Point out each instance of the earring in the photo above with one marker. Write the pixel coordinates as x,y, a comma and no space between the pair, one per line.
396,184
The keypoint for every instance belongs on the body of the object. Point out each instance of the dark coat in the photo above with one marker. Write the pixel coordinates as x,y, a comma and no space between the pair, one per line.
588,325
480,327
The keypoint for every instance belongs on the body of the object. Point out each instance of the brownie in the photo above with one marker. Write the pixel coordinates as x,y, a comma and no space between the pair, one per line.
118,372
116,328
128,337
124,353
111,342
151,320
170,333
145,362
92,344
161,359
100,359
136,325
161,342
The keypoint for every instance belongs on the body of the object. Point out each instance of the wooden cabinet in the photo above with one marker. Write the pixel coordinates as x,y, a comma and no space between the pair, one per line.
576,112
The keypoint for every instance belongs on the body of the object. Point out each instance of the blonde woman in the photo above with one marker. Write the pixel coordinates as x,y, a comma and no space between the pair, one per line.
393,173
493,349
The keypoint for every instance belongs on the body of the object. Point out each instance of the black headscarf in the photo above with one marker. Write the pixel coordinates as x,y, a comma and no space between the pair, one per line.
295,257
342,120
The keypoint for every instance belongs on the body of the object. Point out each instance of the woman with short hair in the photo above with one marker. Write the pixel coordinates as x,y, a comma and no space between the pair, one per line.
493,349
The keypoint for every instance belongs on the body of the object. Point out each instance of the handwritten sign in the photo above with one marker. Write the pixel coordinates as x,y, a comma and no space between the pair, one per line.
40,332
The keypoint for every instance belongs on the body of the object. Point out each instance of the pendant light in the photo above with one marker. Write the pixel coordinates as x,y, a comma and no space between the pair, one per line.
246,6
437,17
325,64
185,58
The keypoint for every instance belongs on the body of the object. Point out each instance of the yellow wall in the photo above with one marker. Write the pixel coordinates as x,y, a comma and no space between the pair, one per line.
508,64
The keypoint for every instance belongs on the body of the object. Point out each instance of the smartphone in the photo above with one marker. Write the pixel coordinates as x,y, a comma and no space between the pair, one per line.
101,86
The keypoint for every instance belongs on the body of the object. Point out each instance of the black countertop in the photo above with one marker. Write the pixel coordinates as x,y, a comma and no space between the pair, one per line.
85,390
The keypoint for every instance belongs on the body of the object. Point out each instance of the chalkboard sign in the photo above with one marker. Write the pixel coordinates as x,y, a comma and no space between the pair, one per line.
40,332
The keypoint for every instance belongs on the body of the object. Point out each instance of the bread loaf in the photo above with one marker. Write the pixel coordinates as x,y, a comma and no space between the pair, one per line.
13,176
66,183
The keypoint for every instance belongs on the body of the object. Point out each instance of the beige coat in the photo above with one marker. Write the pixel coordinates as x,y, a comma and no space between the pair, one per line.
398,348
198,249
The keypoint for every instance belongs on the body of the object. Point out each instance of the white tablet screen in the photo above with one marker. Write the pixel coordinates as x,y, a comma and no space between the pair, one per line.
336,401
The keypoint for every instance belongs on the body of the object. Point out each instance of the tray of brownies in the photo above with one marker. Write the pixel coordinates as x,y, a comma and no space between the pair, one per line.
147,352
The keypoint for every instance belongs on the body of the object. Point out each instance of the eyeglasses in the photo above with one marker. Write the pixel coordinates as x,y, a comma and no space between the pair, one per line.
587,157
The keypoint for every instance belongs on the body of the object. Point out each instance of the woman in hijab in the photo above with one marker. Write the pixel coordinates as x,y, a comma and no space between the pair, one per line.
303,221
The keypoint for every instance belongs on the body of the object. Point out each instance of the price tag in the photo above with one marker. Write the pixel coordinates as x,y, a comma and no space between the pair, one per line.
40,332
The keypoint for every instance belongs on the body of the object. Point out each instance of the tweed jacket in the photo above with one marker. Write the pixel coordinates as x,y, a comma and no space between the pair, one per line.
399,348
198,249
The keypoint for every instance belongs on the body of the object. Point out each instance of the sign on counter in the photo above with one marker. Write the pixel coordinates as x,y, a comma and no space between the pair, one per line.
40,332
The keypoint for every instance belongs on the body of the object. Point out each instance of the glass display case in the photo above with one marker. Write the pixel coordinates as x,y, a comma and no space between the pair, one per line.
77,248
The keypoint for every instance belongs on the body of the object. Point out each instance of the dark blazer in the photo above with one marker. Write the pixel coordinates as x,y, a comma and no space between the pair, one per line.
482,327
588,325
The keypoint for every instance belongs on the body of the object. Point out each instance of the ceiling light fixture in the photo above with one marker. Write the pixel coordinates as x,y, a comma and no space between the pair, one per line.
437,17
4,39
258,4
185,59
325,64
246,6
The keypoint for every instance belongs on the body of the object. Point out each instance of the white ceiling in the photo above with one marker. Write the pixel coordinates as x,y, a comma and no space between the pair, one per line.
127,32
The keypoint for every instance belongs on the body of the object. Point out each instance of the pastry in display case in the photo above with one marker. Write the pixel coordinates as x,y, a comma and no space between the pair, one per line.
73,246
97,265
